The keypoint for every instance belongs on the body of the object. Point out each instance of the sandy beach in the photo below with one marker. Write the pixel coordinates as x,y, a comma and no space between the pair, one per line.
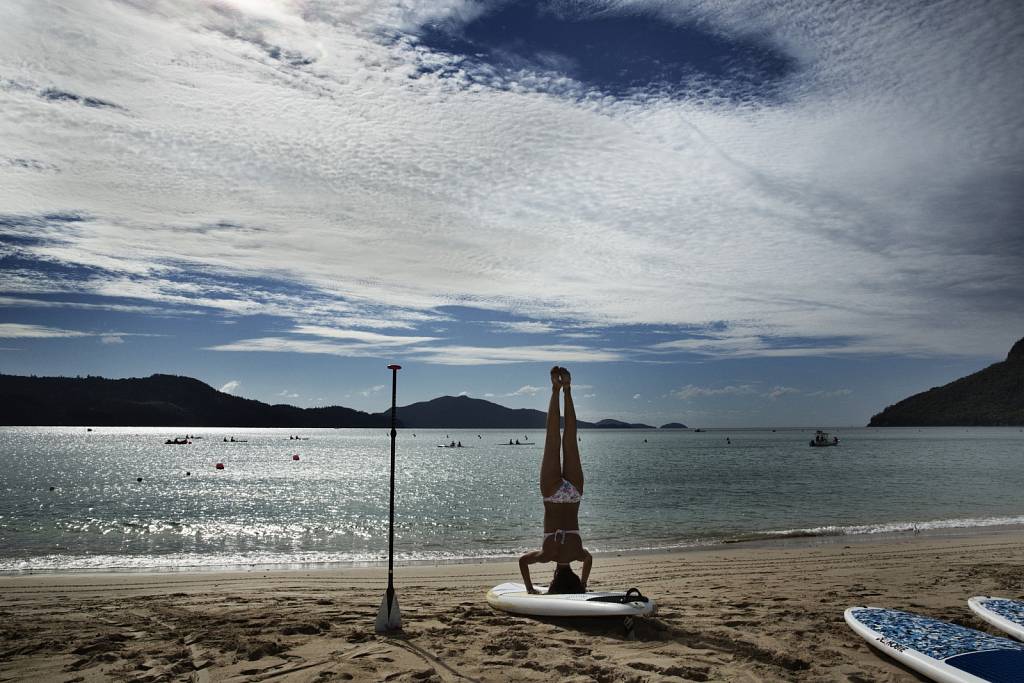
765,613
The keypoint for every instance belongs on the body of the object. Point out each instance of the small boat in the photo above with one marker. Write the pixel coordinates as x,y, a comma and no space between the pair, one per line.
822,439
177,442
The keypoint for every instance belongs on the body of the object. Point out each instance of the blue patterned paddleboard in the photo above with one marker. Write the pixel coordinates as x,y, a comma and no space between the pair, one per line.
1005,615
941,651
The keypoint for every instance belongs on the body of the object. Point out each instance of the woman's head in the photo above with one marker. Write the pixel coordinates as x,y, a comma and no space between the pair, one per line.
565,581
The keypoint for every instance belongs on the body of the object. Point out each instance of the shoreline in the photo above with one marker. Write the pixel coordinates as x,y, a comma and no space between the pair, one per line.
735,612
795,540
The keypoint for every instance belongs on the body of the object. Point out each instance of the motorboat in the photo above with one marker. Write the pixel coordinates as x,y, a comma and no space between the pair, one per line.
822,439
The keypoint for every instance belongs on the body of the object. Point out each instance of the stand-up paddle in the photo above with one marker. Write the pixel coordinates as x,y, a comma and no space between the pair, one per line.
389,618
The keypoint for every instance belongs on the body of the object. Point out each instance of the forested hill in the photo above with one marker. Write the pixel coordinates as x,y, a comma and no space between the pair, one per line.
991,397
155,401
173,401
465,412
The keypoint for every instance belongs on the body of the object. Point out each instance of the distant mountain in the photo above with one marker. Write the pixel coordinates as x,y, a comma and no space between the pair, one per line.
155,401
673,425
618,424
174,401
463,412
991,397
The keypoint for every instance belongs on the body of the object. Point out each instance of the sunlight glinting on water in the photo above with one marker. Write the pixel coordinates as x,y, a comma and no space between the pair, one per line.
644,490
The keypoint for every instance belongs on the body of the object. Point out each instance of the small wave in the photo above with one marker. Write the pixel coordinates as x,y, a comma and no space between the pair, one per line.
186,562
296,558
880,528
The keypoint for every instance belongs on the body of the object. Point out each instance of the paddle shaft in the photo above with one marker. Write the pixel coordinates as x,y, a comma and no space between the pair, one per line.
391,511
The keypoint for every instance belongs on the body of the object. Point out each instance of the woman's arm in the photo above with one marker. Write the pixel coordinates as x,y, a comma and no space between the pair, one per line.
588,562
525,561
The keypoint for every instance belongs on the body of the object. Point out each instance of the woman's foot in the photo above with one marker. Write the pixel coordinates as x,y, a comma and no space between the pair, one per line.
556,378
565,377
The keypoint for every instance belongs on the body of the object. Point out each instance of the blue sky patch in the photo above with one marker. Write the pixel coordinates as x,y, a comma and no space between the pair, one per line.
616,53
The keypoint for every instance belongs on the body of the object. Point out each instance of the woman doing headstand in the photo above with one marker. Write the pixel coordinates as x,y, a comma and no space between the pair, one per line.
561,486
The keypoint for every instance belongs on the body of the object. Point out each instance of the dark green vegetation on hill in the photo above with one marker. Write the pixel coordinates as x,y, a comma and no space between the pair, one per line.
173,401
155,401
469,413
992,397
619,424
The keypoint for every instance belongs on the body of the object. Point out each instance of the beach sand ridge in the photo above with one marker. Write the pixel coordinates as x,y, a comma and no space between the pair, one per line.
766,613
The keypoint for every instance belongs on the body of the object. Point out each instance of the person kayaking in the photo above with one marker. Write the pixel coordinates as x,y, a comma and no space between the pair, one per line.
561,488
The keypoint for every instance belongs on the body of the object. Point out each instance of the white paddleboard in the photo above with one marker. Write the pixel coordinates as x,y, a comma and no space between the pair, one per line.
1006,615
941,651
512,597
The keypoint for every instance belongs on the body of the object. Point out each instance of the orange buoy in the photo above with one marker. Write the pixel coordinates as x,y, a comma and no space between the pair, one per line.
220,466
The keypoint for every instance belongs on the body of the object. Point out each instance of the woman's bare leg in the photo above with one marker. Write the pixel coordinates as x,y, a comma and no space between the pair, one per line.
572,468
550,466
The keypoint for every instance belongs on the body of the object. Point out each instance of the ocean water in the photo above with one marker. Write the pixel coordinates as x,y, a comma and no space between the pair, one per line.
644,490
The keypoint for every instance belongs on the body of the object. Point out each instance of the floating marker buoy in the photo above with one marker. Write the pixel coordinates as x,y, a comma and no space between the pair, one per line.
220,466
51,488
138,478
188,474
295,457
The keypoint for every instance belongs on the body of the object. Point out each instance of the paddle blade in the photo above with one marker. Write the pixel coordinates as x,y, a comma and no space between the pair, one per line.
389,619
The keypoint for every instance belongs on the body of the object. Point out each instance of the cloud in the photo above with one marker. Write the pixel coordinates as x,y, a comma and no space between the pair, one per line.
488,355
290,345
525,327
29,302
229,387
526,390
835,393
636,396
373,390
358,335
776,392
691,391
868,199
287,394
27,331
31,331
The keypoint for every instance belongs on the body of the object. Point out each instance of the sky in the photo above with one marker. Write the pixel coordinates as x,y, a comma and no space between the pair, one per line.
717,213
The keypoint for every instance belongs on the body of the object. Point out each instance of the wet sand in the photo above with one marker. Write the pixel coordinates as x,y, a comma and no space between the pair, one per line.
737,613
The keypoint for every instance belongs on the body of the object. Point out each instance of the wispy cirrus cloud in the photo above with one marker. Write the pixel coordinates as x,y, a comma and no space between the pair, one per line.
833,393
488,355
29,331
32,331
690,391
31,302
230,386
868,198
358,335
290,345
525,327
